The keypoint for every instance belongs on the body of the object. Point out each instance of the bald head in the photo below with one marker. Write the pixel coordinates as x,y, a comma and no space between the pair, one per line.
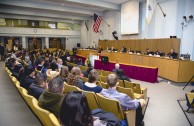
117,66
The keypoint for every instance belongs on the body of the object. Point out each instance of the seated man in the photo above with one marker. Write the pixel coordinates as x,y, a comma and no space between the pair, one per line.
52,98
120,73
93,77
28,77
39,86
124,50
172,54
125,101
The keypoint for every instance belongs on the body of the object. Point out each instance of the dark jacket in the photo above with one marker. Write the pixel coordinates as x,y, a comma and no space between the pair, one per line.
108,117
79,83
120,73
35,90
51,102
26,81
2,49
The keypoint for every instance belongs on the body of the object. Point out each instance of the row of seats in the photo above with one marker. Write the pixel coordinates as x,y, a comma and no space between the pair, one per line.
133,90
46,117
110,105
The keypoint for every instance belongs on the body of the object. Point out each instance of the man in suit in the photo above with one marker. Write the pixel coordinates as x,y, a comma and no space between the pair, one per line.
124,50
120,73
172,54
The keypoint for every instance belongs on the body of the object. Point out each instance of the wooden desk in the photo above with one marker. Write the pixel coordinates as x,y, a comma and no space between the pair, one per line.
171,69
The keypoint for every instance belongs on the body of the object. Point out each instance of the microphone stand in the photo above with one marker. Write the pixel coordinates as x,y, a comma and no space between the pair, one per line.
161,9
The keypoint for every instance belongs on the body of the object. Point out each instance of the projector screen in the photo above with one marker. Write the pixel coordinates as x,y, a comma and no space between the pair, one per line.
130,17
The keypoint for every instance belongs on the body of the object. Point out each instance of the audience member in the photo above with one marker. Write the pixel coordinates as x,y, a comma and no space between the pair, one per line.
52,98
45,67
64,73
93,77
59,63
28,77
74,77
39,86
120,73
40,64
86,72
53,71
125,101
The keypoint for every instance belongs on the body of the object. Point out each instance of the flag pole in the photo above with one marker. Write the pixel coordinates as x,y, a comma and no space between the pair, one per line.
106,22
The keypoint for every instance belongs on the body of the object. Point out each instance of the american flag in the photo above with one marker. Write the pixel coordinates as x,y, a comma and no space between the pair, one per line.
96,23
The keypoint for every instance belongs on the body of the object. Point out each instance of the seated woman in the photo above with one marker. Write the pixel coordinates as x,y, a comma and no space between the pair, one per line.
93,77
64,73
75,112
74,78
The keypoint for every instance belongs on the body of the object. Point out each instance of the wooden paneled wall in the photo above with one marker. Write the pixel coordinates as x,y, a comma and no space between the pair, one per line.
163,45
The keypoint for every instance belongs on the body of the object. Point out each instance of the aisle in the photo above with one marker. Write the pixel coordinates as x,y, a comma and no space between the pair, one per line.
13,109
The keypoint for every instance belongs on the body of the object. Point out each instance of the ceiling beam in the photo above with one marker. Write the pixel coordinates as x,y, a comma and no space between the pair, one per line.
97,3
26,17
48,6
42,14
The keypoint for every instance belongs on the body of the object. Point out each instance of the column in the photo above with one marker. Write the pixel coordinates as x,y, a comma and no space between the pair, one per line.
24,42
47,42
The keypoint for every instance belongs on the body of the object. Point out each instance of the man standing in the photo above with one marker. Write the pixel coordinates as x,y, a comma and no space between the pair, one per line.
2,49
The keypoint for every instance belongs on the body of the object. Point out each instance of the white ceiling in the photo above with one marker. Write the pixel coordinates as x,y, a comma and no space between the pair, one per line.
57,10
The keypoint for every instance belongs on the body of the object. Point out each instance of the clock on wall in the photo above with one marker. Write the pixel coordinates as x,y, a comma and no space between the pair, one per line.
35,31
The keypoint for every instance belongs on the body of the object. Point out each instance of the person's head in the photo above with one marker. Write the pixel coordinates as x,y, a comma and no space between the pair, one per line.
147,50
29,71
75,110
112,80
12,62
54,66
117,66
59,61
56,85
93,76
64,72
46,64
171,50
40,80
41,61
76,71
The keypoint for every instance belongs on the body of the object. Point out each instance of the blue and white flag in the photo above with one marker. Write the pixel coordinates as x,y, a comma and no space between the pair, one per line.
150,8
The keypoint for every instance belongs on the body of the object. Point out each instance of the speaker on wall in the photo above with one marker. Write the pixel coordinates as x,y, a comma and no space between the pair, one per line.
78,45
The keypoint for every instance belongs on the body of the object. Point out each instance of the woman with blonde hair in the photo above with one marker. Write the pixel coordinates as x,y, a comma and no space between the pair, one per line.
74,77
